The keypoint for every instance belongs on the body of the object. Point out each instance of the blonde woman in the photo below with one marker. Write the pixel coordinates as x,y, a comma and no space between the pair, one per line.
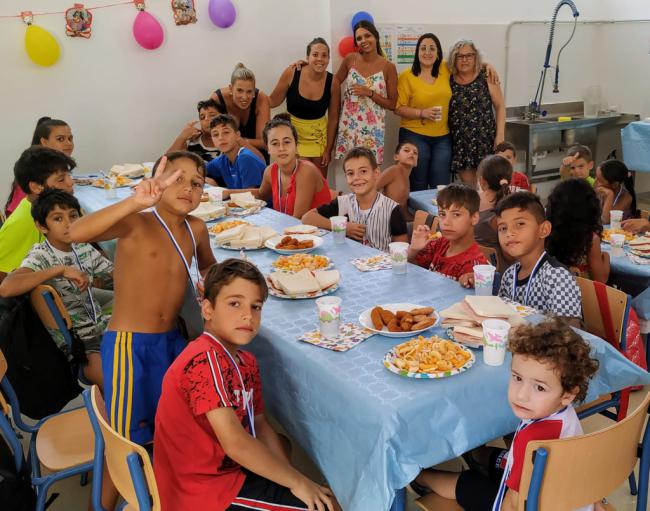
477,112
249,105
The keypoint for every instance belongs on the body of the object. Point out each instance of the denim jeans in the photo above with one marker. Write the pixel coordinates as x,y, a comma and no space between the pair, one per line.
434,160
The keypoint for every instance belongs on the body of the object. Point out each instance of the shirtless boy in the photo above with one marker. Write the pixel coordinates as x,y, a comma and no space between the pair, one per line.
151,280
394,181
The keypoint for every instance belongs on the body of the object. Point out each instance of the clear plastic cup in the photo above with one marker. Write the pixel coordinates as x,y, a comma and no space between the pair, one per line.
437,110
616,217
329,316
495,339
483,279
399,256
617,241
339,224
110,186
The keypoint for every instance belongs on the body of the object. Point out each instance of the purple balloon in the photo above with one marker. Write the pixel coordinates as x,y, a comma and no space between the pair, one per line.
147,31
222,13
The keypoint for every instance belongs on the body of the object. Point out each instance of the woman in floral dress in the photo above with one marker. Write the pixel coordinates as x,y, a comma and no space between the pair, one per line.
477,112
370,90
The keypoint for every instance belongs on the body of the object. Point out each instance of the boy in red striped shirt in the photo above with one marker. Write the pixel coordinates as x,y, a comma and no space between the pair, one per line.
214,449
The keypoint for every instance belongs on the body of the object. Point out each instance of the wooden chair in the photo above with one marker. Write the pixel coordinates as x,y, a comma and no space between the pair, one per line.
422,217
573,472
645,214
128,463
62,443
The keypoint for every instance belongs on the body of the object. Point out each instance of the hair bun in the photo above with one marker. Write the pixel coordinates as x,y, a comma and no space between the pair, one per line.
240,65
43,119
504,182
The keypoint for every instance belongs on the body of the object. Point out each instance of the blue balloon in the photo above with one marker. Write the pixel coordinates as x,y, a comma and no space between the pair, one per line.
361,15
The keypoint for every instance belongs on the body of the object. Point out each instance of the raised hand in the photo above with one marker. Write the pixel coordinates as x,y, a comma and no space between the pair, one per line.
79,278
191,131
149,191
420,238
360,90
570,160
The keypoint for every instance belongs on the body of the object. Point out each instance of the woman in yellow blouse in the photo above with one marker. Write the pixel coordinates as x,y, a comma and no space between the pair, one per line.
423,95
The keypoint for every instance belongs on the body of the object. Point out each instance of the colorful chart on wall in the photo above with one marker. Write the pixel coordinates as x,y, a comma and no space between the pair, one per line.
398,41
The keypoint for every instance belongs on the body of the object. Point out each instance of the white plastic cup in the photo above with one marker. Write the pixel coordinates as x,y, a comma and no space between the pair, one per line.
617,241
616,217
495,339
399,256
339,224
483,279
109,187
329,316
438,113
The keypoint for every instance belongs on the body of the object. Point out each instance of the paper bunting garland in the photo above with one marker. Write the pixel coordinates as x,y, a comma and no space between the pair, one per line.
184,12
78,21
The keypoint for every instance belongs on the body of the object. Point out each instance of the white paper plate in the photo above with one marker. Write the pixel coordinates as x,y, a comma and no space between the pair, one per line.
226,246
390,365
272,242
366,320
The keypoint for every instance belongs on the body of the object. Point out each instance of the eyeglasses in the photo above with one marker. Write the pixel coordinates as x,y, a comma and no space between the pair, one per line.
465,56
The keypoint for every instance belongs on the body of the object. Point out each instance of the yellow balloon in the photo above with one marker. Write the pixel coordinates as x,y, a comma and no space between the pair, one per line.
41,46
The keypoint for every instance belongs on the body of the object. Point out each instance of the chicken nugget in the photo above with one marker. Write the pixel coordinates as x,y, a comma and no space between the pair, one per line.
387,316
405,325
375,316
423,324
393,326
419,317
422,310
400,314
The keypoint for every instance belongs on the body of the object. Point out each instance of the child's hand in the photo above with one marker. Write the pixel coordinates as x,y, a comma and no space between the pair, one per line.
467,280
190,131
355,231
604,193
420,237
77,277
316,497
636,225
570,160
149,191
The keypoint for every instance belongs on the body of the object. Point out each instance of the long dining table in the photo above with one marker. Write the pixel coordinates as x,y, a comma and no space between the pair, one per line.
368,430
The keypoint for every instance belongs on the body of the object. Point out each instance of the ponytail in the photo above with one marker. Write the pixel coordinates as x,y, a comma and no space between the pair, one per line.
496,171
44,127
615,171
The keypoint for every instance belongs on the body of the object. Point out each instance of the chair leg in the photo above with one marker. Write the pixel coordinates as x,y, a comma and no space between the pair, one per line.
632,482
41,495
84,479
399,504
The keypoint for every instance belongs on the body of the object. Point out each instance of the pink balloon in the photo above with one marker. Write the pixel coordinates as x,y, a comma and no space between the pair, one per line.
222,13
147,31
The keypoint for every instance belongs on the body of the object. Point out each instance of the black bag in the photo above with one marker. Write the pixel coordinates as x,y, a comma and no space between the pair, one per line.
16,492
44,378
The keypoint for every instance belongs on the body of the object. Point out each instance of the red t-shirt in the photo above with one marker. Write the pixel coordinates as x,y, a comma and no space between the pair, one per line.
520,181
433,257
286,204
192,470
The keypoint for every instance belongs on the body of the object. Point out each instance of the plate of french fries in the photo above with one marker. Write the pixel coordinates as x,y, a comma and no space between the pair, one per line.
399,319
607,233
429,357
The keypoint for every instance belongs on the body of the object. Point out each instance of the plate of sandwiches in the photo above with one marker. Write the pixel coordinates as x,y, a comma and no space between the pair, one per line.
305,229
298,243
130,170
607,233
399,319
209,211
640,247
120,182
429,357
243,236
464,319
244,201
297,262
303,284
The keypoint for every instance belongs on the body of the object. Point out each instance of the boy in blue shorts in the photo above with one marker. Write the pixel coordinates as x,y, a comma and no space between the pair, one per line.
215,449
152,278
237,167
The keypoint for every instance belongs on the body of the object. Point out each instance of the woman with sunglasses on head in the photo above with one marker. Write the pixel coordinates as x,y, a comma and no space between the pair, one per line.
371,89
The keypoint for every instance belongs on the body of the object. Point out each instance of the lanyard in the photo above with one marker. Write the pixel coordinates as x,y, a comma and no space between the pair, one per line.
180,252
92,312
618,196
513,295
506,473
248,403
364,217
285,207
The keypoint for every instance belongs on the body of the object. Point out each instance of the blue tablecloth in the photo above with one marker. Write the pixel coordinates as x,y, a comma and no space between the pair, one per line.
368,430
630,277
422,200
635,139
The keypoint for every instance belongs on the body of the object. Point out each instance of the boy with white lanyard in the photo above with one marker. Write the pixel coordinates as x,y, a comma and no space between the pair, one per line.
71,268
152,277
551,368
536,279
215,450
373,218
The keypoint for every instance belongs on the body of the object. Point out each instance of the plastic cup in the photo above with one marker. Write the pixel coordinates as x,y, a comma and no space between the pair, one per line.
438,111
483,279
339,224
495,338
329,316
617,241
109,187
399,256
615,216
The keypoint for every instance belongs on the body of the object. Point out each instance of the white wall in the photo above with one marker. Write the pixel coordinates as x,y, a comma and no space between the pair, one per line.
125,103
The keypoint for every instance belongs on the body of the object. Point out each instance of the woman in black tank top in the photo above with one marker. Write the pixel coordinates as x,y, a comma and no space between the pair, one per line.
315,112
248,105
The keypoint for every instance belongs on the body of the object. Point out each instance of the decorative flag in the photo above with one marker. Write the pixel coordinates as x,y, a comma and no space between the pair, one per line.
184,12
78,21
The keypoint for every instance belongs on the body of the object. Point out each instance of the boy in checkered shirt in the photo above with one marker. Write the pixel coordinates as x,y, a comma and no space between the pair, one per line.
536,279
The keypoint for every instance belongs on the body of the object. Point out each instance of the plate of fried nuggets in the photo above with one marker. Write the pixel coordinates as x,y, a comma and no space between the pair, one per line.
431,357
399,319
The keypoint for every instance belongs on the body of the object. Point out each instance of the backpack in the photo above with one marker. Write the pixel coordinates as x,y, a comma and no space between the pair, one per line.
44,378
16,492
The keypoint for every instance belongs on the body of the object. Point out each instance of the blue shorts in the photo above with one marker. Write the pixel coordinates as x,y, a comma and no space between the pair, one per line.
134,365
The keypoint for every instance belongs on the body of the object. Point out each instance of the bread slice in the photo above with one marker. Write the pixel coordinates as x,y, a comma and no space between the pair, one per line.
489,306
128,170
275,280
298,283
301,229
207,211
475,332
251,238
327,278
230,234
244,200
267,232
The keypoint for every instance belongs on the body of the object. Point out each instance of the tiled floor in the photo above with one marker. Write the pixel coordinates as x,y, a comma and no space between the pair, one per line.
74,497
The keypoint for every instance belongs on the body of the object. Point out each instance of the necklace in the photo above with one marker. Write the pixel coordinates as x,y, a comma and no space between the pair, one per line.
284,199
